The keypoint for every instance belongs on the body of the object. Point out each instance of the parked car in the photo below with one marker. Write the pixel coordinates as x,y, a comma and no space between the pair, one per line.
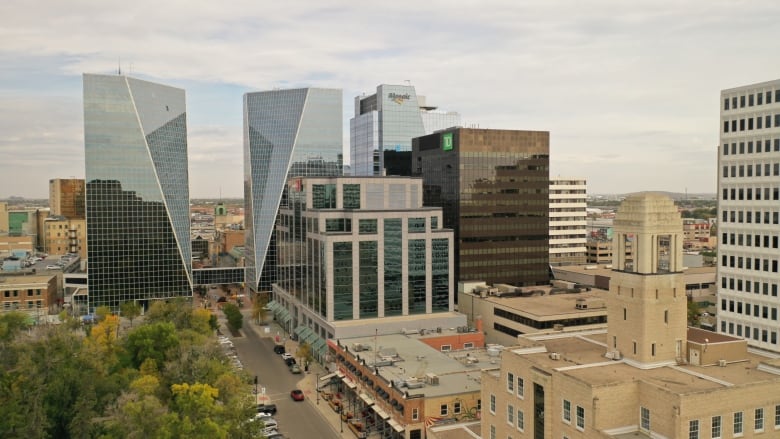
279,349
266,408
296,395
286,355
295,369
53,267
268,431
276,435
290,361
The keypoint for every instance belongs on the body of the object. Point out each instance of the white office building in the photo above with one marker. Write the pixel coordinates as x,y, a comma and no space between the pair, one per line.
748,228
568,221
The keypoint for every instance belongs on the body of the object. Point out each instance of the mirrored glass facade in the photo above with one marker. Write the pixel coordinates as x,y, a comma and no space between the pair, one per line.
287,133
138,235
384,125
492,186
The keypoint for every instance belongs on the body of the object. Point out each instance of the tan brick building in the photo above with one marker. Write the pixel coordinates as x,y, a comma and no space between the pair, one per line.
36,294
647,375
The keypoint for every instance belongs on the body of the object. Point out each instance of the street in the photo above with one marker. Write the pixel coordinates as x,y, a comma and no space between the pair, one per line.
297,420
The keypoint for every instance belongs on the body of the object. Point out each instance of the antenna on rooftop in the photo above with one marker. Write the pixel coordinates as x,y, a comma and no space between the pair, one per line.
119,66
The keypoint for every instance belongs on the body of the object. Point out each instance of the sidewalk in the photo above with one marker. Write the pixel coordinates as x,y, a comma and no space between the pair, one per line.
309,381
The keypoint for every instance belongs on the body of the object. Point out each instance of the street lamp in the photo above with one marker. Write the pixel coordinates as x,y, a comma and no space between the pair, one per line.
256,395
317,388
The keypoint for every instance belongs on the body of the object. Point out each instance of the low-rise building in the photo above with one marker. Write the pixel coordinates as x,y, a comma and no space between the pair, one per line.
37,295
399,384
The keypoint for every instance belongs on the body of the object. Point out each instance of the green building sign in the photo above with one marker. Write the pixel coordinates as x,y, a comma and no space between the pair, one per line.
446,142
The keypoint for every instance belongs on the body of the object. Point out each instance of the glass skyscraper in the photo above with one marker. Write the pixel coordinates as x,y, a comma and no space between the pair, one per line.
287,133
492,186
384,125
138,234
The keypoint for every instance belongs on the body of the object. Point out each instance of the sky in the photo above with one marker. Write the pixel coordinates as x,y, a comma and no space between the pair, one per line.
629,90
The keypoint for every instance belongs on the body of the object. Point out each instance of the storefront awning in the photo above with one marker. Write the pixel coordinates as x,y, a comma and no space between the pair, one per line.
328,376
396,426
272,305
380,412
318,345
367,399
351,384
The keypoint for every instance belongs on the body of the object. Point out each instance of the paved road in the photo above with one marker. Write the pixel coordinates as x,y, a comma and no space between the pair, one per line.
297,420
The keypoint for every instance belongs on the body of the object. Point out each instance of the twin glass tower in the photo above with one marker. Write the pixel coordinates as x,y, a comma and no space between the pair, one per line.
135,138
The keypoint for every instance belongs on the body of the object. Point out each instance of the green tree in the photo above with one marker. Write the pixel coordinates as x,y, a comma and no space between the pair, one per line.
102,312
12,323
130,310
153,341
693,313
234,316
304,353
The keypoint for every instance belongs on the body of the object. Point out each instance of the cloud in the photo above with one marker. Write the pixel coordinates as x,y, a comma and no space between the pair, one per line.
630,83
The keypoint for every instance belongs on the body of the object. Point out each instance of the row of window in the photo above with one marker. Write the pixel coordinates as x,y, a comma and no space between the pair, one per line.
766,142
739,216
757,334
749,240
750,99
748,124
757,264
737,285
9,306
15,293
769,170
737,424
761,311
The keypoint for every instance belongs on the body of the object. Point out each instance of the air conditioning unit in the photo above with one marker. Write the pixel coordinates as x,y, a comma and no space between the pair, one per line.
722,363
555,356
558,327
616,355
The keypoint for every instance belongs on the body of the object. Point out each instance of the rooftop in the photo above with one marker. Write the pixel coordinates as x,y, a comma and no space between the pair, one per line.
551,306
404,357
581,356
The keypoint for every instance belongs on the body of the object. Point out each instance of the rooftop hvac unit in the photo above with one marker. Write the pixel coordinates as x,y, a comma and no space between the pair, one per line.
616,355
722,363
558,327
432,379
555,356
438,329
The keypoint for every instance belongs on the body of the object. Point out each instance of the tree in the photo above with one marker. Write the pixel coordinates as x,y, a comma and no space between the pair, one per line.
234,316
130,310
304,353
102,312
258,308
12,323
693,313
151,341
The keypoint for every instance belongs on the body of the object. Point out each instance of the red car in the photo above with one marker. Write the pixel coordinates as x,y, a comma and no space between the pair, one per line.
297,395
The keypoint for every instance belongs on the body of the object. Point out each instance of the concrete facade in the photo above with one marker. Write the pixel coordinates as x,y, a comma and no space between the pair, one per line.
568,221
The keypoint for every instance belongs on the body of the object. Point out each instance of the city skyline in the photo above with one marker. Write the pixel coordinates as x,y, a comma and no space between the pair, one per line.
620,87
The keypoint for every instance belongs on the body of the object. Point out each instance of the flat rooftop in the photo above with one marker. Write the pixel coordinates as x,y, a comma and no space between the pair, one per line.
6,280
459,371
582,358
552,306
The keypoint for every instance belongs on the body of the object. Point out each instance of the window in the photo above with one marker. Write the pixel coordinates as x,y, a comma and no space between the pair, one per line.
520,420
444,410
738,423
367,226
520,387
644,418
456,407
492,432
446,348
759,419
580,418
416,225
510,414
493,404
693,429
510,382
468,345
351,196
567,411
415,414
716,427
777,416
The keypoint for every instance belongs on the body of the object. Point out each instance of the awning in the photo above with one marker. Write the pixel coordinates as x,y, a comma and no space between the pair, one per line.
318,344
311,338
349,383
272,305
380,412
396,426
321,350
328,376
299,329
367,399
339,374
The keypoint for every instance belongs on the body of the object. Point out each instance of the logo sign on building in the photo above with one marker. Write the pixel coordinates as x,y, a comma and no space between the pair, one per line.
446,142
398,98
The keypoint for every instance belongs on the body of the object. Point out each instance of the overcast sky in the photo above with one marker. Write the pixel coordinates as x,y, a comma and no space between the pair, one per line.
629,90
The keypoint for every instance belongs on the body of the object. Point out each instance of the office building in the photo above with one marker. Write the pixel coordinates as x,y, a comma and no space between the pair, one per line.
568,221
67,198
135,137
492,186
384,125
647,375
749,214
64,235
361,255
295,132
